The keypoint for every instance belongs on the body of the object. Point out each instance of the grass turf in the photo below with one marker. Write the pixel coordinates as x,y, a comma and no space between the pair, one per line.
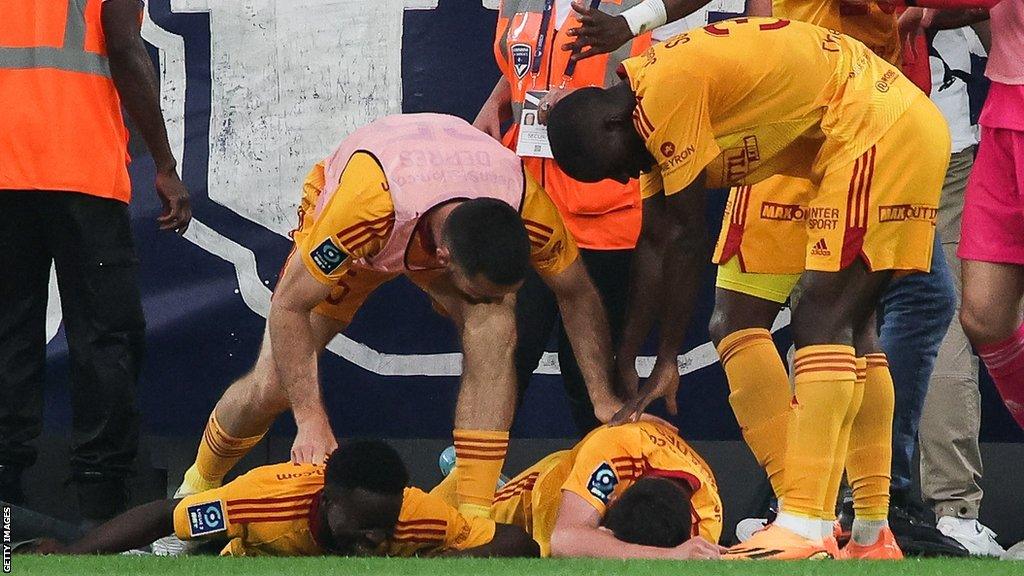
213,566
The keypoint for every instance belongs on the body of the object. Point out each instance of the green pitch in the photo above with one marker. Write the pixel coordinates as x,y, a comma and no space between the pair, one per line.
212,566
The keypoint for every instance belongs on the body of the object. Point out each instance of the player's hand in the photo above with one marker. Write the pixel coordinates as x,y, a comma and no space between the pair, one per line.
696,548
314,441
549,100
488,121
177,208
613,412
662,383
42,547
598,33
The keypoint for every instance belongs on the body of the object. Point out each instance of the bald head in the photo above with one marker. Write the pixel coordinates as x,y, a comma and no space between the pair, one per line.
592,135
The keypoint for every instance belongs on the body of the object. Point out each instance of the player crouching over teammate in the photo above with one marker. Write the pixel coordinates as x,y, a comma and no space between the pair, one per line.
630,491
429,197
715,107
356,505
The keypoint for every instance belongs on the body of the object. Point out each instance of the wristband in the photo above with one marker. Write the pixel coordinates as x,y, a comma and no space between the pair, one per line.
645,16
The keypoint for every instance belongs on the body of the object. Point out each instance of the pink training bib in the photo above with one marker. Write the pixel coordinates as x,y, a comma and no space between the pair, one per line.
428,159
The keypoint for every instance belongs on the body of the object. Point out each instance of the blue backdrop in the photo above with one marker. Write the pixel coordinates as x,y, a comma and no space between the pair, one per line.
201,335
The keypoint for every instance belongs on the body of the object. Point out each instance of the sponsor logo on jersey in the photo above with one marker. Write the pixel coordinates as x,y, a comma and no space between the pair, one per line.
306,474
902,212
603,482
522,56
821,249
822,218
738,160
677,157
327,256
888,78
773,211
668,149
206,518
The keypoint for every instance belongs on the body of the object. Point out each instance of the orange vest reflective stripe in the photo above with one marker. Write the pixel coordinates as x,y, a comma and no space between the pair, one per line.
604,215
60,116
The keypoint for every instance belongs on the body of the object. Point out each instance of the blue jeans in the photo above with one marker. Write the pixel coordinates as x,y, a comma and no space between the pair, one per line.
915,313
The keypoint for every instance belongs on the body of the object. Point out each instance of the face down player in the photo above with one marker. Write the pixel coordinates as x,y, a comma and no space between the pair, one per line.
357,505
830,111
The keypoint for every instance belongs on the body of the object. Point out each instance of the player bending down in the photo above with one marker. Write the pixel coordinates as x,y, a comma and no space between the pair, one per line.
630,491
429,197
716,107
356,505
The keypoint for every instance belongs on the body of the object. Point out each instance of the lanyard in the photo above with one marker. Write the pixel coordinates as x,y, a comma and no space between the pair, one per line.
545,22
570,68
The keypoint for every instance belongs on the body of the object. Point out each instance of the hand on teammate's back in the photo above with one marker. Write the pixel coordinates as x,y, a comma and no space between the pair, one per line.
662,383
598,33
314,442
177,207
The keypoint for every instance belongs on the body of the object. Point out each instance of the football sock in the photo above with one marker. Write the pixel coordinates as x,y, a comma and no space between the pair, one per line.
759,395
479,455
1005,363
218,454
828,506
824,382
869,462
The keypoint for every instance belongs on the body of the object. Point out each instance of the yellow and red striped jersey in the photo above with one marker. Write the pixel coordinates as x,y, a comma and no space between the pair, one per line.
272,511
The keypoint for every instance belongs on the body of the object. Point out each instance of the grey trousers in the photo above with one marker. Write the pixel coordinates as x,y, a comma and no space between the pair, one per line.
950,458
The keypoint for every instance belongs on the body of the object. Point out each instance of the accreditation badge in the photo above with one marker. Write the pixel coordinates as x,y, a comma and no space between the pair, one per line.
533,136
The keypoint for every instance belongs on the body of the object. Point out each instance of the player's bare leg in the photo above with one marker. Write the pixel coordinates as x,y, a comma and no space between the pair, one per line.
486,401
991,317
244,414
759,390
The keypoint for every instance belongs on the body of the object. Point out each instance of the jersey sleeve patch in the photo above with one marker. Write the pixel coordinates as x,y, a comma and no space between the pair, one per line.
206,518
603,482
328,257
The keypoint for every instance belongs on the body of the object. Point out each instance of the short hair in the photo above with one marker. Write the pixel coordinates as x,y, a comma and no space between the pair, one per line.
486,236
652,512
569,124
371,465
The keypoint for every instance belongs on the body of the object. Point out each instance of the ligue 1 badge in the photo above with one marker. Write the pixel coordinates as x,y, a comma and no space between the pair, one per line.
521,56
602,482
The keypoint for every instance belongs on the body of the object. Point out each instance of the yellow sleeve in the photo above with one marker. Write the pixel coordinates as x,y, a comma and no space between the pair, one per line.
675,124
606,457
206,514
552,247
355,223
427,525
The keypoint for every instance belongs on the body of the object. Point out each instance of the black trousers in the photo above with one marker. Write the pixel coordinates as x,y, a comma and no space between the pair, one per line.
537,315
90,242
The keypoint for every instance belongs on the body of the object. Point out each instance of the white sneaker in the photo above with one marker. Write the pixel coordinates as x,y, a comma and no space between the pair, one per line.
750,526
979,539
1016,552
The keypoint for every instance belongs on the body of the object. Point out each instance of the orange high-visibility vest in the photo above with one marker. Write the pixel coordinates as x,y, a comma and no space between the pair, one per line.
604,215
60,116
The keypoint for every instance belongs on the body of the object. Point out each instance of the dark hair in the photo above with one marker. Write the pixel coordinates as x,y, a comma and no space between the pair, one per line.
372,465
652,512
569,124
486,236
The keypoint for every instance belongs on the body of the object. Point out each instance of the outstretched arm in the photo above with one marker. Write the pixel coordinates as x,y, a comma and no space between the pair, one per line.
135,79
294,349
578,534
600,33
586,325
667,266
134,529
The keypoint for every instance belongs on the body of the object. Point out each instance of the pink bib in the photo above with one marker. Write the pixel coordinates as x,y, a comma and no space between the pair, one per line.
428,159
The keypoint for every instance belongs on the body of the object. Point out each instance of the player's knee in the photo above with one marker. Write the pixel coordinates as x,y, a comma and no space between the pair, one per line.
719,326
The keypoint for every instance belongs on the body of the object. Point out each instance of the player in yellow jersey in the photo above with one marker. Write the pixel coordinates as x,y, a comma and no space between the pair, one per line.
733,104
464,226
631,491
356,505
759,223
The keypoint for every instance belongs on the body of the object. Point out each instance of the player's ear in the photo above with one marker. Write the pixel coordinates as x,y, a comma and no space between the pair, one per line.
443,255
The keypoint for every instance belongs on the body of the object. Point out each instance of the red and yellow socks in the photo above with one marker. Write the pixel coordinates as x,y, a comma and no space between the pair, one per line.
218,453
479,456
760,396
